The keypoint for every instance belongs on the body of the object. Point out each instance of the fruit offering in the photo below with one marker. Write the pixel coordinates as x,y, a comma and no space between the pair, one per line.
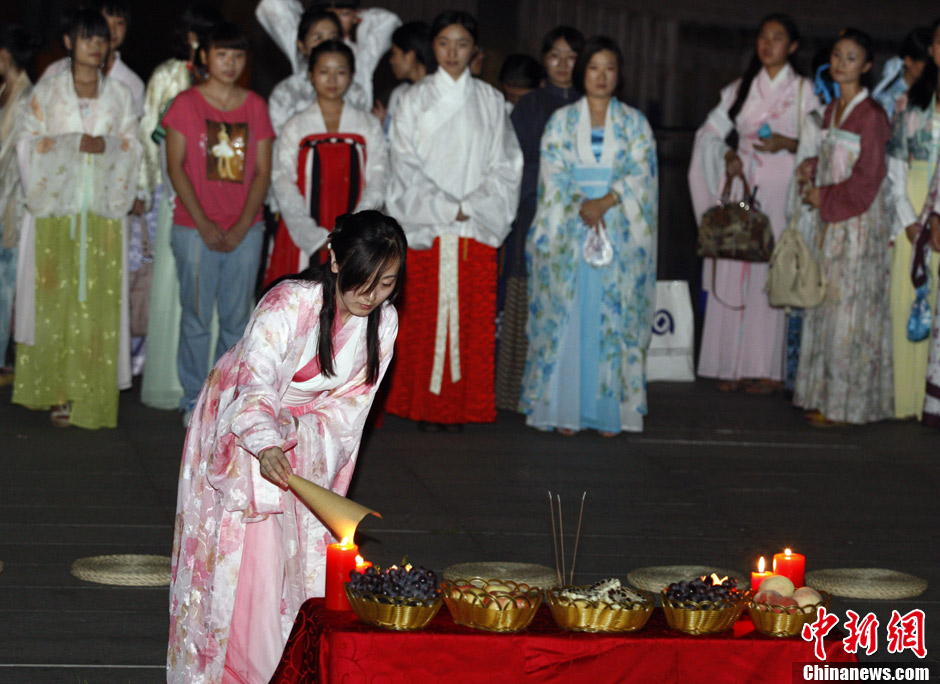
607,591
777,594
701,589
396,582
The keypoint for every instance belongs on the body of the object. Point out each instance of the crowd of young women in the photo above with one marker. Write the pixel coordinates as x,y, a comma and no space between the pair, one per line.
859,183
540,229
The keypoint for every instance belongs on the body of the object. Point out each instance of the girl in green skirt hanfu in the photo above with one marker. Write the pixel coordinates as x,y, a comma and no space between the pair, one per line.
79,160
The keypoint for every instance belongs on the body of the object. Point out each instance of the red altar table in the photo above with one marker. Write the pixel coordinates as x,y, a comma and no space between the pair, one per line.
327,646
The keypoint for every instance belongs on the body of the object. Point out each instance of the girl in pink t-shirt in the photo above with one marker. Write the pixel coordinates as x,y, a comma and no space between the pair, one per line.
218,148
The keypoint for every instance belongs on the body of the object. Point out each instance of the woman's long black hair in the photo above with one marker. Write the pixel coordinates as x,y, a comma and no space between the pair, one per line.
365,244
754,67
924,87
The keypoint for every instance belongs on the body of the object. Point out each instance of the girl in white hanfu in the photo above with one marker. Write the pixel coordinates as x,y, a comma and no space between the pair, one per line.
295,93
456,172
79,159
752,131
367,31
589,324
291,396
845,371
329,160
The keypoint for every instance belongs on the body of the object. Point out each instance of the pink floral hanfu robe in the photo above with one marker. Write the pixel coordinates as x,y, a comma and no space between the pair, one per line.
266,391
845,368
746,342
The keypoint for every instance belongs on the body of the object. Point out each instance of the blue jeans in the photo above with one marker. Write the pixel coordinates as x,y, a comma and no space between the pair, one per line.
7,292
208,280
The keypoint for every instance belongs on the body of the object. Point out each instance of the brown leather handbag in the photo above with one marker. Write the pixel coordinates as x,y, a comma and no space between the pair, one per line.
736,229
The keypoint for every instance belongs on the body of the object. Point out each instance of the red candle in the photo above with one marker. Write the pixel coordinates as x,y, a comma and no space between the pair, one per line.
340,560
760,575
791,565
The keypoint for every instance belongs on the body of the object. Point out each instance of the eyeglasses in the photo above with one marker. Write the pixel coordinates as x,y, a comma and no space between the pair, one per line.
555,60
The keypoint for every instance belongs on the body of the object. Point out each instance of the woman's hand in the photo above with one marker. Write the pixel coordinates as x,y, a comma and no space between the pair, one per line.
804,172
775,143
91,144
811,196
211,234
275,466
911,231
593,210
934,224
733,164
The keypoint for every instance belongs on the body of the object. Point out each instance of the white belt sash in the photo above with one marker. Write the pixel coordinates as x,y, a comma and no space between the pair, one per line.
448,313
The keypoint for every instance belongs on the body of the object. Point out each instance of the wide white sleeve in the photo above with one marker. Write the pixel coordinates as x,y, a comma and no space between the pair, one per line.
373,40
281,104
707,165
295,210
377,166
493,204
413,196
904,214
280,19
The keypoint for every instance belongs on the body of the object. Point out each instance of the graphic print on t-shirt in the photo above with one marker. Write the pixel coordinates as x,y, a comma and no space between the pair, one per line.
225,150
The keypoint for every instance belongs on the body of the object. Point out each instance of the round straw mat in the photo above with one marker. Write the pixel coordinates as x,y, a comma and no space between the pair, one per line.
657,578
866,583
127,570
539,576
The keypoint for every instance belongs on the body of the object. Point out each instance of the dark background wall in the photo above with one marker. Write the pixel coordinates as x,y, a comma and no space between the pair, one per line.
679,53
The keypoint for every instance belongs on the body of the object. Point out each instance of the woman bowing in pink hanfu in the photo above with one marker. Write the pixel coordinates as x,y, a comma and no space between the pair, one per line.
285,398
753,131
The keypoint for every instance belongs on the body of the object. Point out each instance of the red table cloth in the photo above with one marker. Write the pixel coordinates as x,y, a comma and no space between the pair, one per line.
328,646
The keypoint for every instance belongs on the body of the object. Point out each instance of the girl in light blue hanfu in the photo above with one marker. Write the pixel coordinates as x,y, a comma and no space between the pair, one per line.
589,323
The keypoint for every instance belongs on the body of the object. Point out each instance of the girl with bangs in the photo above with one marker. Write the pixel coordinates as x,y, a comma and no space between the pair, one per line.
79,158
291,396
218,150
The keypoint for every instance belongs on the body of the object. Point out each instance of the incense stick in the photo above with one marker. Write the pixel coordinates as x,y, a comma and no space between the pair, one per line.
551,508
561,535
577,538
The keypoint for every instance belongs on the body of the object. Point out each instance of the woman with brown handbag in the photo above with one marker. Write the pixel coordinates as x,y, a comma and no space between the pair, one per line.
752,131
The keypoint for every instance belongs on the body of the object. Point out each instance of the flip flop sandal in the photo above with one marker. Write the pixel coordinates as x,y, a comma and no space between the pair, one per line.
764,386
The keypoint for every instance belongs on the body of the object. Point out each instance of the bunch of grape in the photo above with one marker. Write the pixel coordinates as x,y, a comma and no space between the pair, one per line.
703,590
396,582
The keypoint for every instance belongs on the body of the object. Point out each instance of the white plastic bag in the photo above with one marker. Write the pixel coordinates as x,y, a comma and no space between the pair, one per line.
598,252
670,356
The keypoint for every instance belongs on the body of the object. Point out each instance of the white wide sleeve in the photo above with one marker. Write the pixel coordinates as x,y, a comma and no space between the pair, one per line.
280,20
903,214
303,230
493,204
377,165
413,197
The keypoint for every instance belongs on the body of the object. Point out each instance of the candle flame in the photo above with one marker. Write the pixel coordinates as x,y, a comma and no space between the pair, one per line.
761,564
360,560
787,552
347,542
716,581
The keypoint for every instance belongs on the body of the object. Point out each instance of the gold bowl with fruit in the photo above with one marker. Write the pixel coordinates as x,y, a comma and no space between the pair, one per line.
780,610
705,605
581,609
393,612
495,605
